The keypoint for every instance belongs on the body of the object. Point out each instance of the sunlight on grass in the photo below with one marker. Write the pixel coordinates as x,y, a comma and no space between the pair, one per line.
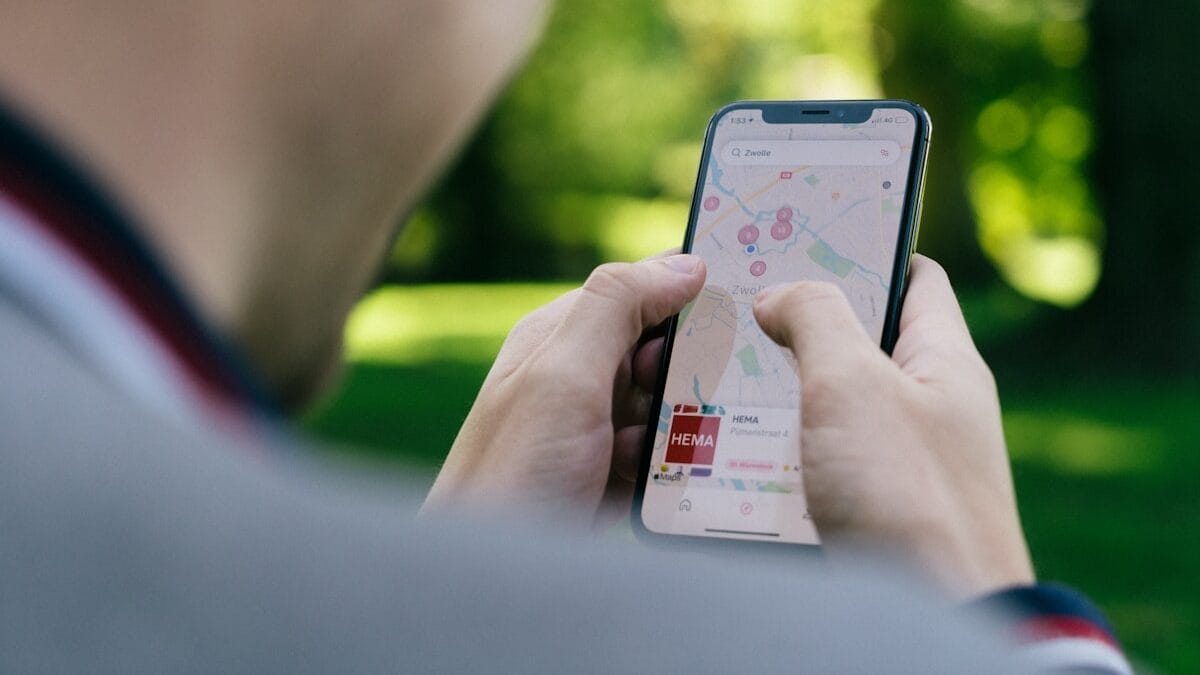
461,322
1081,445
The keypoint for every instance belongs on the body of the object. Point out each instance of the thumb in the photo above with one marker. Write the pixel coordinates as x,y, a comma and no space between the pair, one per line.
814,319
620,301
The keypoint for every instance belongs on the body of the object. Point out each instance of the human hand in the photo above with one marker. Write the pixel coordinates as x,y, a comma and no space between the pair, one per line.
904,452
557,428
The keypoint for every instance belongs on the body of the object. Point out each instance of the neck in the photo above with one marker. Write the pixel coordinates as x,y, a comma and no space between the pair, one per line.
151,134
270,154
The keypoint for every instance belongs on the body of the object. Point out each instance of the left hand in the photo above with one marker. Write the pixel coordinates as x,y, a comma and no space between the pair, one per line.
557,429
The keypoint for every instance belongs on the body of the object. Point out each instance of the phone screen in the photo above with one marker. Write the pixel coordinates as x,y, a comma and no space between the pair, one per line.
776,202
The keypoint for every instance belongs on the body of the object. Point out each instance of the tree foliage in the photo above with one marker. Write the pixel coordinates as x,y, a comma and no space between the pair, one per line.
591,154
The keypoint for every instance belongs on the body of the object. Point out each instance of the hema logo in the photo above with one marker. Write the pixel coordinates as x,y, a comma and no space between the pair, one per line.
692,439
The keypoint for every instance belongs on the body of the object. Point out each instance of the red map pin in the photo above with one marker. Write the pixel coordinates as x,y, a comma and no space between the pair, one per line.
748,234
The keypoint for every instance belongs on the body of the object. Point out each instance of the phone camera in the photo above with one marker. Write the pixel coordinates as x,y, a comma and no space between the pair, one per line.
840,113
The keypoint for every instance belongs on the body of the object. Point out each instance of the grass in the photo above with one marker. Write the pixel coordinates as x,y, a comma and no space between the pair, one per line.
1106,475
1106,469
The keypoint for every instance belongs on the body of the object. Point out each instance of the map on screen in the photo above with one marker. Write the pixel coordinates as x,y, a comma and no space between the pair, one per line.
779,203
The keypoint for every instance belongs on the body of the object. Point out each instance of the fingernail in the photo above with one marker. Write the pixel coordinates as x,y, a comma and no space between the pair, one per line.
684,262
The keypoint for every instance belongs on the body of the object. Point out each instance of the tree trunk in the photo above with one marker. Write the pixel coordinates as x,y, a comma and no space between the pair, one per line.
1145,313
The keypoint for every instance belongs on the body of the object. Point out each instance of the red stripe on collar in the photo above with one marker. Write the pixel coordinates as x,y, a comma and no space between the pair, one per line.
68,207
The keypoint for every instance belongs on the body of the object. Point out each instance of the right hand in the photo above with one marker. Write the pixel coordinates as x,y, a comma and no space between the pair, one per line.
904,452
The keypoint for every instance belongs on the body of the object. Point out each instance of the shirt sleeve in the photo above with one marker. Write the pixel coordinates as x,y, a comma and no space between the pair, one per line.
1057,629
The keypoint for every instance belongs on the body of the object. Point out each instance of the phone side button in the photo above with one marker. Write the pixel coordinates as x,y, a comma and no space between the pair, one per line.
916,235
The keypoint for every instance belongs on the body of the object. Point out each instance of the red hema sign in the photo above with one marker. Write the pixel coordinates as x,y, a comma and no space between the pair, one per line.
692,439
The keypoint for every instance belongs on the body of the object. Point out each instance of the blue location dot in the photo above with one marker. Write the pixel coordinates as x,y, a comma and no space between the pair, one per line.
751,248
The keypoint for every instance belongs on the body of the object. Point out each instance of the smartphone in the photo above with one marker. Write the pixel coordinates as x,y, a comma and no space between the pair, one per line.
787,190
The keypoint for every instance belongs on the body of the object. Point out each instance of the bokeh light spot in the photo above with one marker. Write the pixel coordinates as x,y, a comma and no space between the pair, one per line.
1059,270
1063,43
637,228
1065,133
1003,125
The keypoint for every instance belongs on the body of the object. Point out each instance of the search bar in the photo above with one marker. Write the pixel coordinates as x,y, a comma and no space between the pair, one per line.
816,153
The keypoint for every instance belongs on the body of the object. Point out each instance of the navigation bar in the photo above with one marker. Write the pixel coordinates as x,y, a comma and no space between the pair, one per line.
810,153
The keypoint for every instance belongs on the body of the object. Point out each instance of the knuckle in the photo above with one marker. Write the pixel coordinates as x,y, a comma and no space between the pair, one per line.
525,326
544,318
613,287
610,281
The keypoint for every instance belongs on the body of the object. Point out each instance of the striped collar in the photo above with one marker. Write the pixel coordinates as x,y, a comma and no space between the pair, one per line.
74,261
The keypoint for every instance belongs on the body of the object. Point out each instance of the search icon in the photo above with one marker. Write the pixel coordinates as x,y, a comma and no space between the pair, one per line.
736,152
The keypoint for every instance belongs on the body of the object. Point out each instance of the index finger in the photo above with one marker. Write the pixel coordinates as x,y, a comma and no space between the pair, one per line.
815,321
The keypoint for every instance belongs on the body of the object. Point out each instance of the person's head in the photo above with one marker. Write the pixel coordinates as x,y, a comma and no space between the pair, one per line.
269,149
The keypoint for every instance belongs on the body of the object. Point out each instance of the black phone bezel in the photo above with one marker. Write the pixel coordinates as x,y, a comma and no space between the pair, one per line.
789,112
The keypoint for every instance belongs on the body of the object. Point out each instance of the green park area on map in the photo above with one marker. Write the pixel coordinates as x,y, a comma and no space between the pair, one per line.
749,360
824,255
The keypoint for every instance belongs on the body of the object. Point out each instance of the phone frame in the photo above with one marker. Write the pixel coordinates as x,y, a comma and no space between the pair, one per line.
789,112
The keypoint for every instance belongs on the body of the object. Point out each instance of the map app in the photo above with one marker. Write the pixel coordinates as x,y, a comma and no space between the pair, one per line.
778,202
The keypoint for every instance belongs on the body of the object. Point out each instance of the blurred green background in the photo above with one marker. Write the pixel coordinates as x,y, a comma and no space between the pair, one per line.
1060,199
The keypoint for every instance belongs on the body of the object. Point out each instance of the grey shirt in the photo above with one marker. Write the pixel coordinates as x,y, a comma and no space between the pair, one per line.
130,542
